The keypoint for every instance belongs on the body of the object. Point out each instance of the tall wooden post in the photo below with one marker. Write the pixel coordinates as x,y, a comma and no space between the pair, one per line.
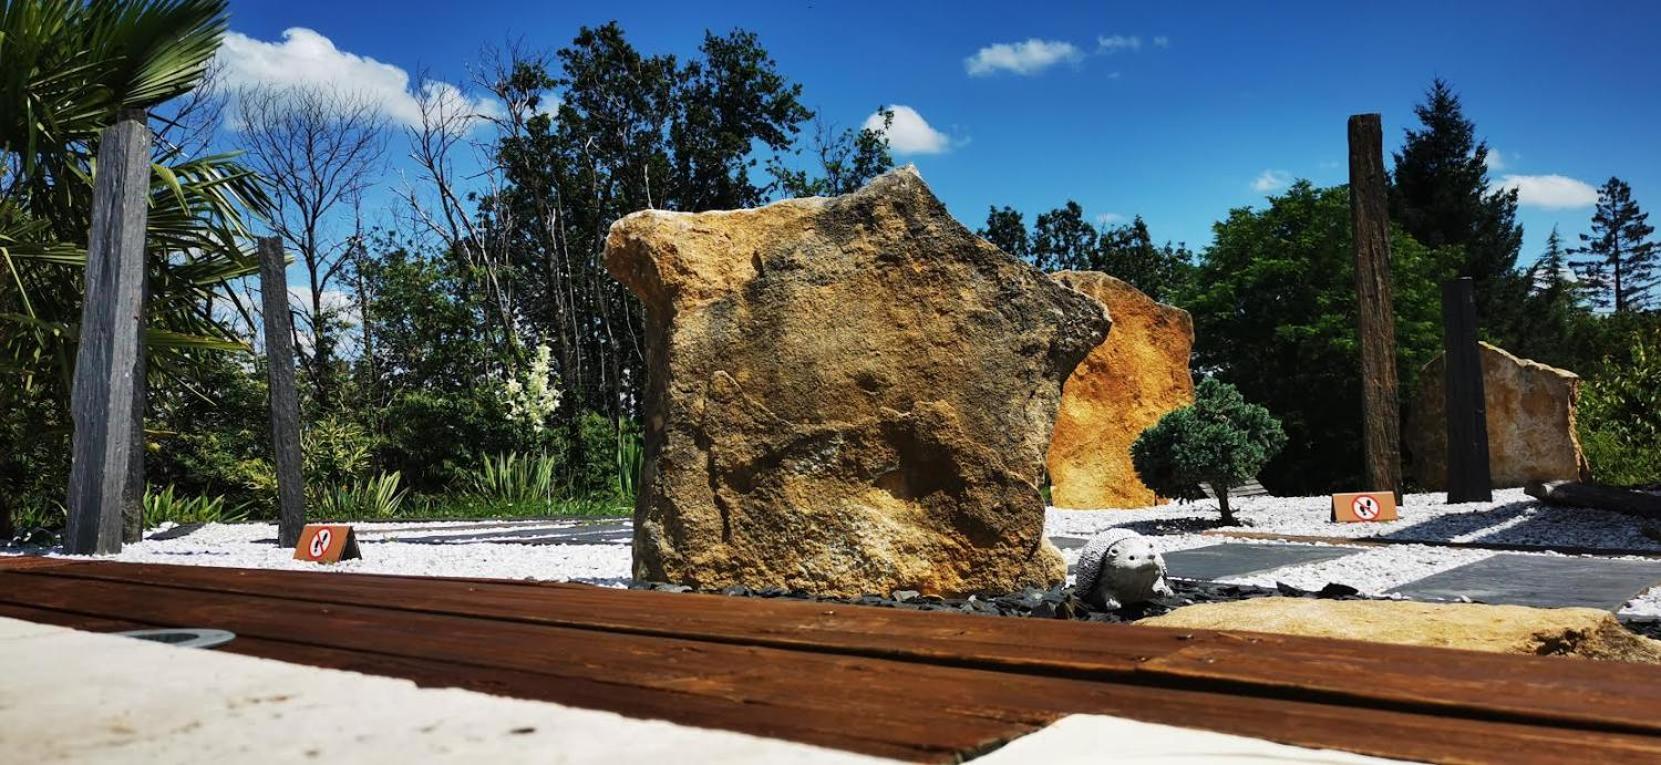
285,402
132,503
103,399
1370,227
1467,411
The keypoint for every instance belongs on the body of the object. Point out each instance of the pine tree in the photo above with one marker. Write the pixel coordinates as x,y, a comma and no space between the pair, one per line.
1439,195
1553,305
1618,259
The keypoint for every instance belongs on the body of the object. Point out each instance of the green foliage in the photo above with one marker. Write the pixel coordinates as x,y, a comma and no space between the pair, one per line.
1063,240
373,498
432,436
166,505
631,460
1618,261
1619,416
1273,301
846,161
1219,441
1441,197
334,451
514,478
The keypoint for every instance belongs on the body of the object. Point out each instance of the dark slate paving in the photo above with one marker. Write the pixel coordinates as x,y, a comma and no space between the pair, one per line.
1226,560
586,534
1541,581
1068,543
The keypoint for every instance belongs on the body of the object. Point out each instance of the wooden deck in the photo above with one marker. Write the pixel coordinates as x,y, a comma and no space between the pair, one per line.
916,686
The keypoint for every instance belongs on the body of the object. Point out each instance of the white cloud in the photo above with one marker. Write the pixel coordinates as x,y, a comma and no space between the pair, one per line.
910,133
1494,161
1552,192
1271,180
1109,218
1116,43
305,58
1026,58
1161,41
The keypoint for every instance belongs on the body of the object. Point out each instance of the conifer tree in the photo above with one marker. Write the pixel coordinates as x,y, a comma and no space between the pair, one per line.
1439,195
1618,260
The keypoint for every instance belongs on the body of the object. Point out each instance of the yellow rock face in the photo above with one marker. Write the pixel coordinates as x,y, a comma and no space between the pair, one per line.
846,395
1582,632
1139,373
1531,423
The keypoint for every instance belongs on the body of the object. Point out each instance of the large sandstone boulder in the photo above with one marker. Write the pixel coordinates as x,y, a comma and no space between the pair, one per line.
846,395
1583,632
1531,423
1139,373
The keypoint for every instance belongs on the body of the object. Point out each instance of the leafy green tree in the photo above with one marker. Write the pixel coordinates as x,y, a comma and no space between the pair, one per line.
1440,196
1063,240
1273,301
1619,417
1219,441
847,161
1005,230
1618,260
1128,252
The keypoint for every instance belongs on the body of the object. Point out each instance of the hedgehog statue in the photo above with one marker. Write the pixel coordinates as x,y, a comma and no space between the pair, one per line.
1119,567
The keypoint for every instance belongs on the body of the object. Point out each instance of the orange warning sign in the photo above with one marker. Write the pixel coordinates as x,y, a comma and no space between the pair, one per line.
1364,507
327,543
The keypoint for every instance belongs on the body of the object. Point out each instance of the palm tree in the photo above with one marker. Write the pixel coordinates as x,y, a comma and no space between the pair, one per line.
69,68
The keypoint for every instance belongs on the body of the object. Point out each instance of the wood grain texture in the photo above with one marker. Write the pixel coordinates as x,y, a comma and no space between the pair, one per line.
1467,410
926,687
103,401
285,401
1375,317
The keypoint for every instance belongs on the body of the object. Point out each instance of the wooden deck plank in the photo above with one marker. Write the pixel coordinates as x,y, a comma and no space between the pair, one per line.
1386,733
1593,694
772,683
499,647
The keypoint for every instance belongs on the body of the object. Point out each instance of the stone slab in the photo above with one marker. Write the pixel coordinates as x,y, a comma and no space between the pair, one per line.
1228,560
1540,581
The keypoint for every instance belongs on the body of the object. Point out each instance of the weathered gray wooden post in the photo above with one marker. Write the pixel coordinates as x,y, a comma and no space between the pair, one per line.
1370,233
1467,411
132,503
285,402
103,400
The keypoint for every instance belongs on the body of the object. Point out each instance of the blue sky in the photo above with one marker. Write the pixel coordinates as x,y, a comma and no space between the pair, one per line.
1176,111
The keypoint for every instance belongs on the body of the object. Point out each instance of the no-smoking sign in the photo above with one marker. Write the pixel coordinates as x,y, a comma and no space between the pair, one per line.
1364,507
327,543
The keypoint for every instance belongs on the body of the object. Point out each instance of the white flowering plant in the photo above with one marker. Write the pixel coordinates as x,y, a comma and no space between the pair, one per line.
534,395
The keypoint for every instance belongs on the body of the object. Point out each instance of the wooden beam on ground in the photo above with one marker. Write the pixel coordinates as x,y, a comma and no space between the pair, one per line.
1467,411
1638,504
285,401
103,400
1375,317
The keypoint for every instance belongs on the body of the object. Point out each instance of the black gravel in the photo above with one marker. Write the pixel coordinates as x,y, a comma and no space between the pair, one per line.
1054,603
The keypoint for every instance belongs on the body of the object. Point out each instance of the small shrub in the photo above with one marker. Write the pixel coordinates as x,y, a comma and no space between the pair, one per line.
1220,441
334,452
1619,416
631,458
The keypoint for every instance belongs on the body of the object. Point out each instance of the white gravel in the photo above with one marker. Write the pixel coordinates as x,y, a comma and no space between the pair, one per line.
465,548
